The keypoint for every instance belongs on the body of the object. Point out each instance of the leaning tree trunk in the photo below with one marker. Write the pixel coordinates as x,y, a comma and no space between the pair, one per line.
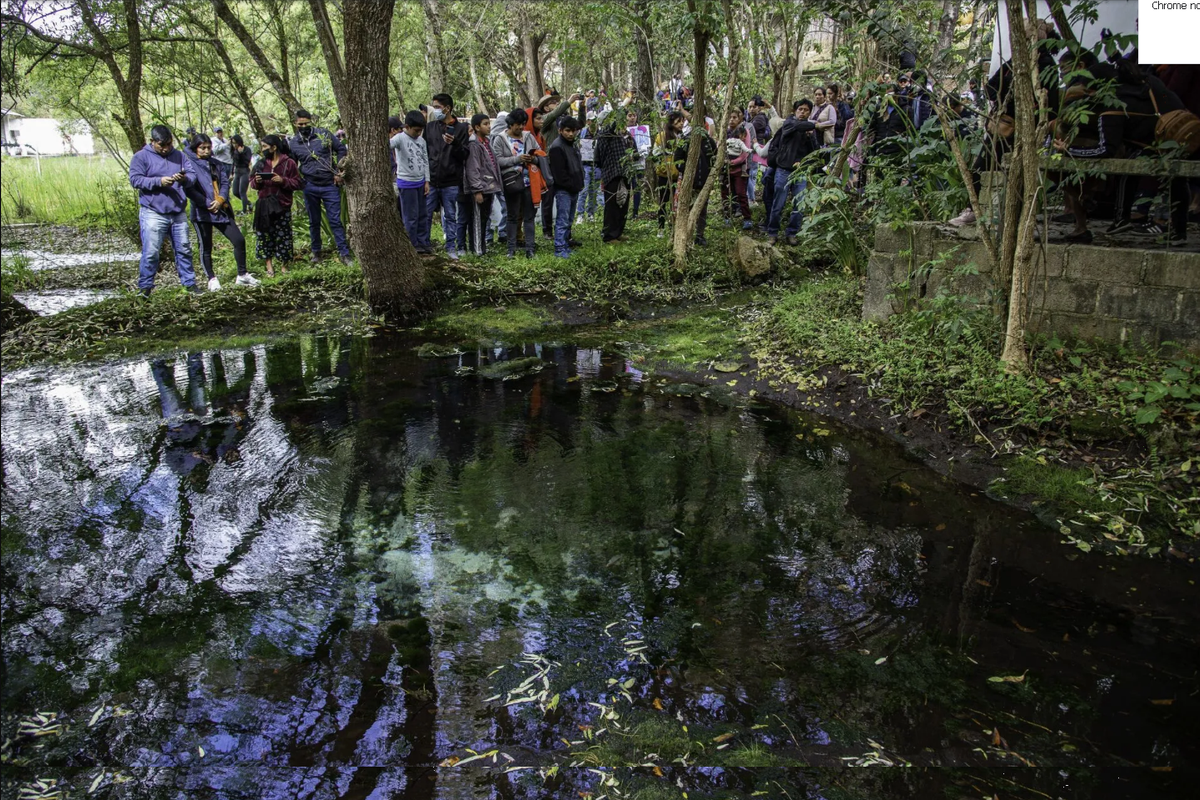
644,79
1024,61
391,269
434,41
685,222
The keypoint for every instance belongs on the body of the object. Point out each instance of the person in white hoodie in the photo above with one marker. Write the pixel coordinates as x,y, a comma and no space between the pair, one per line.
412,180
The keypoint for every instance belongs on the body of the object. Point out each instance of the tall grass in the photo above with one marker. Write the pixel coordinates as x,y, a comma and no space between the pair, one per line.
67,191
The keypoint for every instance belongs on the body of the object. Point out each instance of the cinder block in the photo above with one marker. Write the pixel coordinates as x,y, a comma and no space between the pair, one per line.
877,304
1172,269
1110,265
890,241
1075,297
1086,326
1189,312
1122,302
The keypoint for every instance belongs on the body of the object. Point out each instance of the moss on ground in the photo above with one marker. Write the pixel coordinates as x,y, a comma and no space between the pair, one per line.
326,298
504,322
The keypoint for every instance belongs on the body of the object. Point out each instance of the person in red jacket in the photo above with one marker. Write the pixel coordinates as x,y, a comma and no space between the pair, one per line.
275,178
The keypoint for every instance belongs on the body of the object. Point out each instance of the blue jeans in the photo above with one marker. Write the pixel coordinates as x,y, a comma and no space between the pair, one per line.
564,215
415,213
785,188
155,228
331,198
752,180
447,199
591,198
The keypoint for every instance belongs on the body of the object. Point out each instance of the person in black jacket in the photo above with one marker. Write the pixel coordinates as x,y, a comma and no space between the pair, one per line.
318,154
792,144
566,165
241,171
446,138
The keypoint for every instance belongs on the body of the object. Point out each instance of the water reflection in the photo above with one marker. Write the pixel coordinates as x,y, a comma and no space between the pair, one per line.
293,571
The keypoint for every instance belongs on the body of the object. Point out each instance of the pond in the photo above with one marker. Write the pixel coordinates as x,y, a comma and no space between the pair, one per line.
56,301
331,568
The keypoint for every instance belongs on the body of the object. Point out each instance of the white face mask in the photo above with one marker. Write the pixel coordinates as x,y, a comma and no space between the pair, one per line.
436,114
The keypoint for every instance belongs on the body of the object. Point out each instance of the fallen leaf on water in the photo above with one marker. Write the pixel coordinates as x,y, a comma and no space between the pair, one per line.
1023,629
1166,702
658,773
941,527
449,762
879,661
1007,678
982,582
658,704
996,737
724,737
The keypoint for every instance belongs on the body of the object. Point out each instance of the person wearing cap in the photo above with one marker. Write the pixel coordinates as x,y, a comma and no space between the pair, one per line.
221,148
318,153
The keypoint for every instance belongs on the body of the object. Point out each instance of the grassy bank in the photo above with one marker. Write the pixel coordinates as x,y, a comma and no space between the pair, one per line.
327,298
77,191
1107,437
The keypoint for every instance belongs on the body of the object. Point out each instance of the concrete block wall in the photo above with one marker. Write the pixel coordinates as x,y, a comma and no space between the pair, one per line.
1120,295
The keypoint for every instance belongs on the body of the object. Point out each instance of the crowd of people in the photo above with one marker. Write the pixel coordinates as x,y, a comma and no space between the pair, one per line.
567,160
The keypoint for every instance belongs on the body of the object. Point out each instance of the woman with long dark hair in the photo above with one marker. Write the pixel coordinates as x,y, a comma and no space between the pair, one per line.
209,198
665,171
276,177
241,171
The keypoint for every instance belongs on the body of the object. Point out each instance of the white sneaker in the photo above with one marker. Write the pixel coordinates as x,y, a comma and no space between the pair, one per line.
246,280
214,285
965,218
660,233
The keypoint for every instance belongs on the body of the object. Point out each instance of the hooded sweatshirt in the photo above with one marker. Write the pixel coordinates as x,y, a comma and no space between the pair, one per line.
510,164
482,173
146,171
201,193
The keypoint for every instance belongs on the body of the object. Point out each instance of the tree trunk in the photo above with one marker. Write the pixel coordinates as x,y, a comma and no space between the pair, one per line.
333,56
643,88
480,104
433,38
391,268
685,221
948,23
1024,61
226,15
256,123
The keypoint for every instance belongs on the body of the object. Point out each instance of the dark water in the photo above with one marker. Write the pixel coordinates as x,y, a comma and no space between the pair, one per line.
302,571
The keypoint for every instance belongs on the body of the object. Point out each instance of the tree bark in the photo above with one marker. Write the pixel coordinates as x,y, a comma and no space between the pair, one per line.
281,87
685,221
391,268
480,103
1024,61
256,123
433,38
531,42
643,86
948,23
333,56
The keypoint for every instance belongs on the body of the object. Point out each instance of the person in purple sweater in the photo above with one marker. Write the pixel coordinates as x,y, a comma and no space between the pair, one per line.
160,173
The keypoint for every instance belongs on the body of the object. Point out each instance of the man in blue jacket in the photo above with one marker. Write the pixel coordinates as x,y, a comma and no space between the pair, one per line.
160,173
317,152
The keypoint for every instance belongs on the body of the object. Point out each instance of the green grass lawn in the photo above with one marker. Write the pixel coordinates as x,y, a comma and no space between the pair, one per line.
60,190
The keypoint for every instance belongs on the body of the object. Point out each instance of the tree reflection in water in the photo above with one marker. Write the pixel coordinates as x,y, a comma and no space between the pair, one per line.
306,560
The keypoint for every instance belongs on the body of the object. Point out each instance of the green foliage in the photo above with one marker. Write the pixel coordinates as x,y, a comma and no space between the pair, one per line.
945,359
61,191
500,322
641,267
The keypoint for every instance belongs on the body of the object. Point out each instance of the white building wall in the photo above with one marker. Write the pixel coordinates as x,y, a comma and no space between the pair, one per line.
50,137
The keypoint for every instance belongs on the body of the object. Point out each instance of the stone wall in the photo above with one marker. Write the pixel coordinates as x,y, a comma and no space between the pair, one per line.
1121,295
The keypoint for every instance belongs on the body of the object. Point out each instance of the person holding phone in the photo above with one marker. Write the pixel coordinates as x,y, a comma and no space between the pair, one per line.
276,178
160,173
211,209
446,140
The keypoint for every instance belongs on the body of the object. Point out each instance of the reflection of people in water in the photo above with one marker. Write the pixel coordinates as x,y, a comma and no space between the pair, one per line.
209,424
